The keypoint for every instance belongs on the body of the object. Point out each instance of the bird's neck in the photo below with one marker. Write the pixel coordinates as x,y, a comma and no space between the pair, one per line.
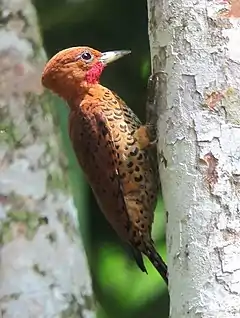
91,93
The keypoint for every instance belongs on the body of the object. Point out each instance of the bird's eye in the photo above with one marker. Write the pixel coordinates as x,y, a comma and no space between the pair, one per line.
86,56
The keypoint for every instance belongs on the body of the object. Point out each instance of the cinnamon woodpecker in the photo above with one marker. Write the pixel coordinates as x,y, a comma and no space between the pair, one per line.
111,145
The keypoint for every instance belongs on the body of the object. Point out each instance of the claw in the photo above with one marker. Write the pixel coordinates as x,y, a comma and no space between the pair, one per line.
156,86
153,82
153,143
146,136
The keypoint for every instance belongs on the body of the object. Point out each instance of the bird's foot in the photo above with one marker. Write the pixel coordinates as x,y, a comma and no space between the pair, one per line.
145,137
155,96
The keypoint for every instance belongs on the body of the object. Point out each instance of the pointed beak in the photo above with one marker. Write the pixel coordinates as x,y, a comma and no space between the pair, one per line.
111,56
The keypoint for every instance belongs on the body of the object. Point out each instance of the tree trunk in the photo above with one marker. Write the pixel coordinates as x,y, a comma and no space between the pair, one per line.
196,46
43,268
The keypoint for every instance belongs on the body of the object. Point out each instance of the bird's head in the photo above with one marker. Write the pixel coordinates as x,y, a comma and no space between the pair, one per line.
75,68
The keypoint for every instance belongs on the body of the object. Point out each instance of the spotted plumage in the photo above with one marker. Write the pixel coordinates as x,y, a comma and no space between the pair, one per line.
112,147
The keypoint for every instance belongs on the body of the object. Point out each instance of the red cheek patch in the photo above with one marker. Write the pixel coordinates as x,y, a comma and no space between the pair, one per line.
93,75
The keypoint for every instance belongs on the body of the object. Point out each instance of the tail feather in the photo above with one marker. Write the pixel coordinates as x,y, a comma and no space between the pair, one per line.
157,262
139,259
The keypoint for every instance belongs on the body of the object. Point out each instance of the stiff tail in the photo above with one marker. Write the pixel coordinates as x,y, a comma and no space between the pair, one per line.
154,258
157,262
139,259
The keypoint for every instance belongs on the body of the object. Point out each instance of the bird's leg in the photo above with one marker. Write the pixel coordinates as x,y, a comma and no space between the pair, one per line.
153,143
156,85
146,134
152,86
152,133
156,96
143,135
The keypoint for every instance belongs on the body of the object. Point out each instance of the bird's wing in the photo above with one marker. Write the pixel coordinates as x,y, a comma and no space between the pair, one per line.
98,157
109,159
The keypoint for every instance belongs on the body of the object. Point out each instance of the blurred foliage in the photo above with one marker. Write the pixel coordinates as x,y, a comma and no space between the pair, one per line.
122,290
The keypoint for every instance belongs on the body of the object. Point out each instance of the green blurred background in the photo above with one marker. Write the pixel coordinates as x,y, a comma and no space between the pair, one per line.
121,289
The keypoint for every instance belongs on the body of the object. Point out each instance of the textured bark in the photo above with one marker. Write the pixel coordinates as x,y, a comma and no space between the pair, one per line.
43,267
196,44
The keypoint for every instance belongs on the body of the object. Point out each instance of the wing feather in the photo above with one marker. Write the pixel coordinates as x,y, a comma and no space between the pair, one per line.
97,155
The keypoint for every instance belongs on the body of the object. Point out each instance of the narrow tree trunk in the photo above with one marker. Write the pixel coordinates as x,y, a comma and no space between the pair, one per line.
196,45
43,268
